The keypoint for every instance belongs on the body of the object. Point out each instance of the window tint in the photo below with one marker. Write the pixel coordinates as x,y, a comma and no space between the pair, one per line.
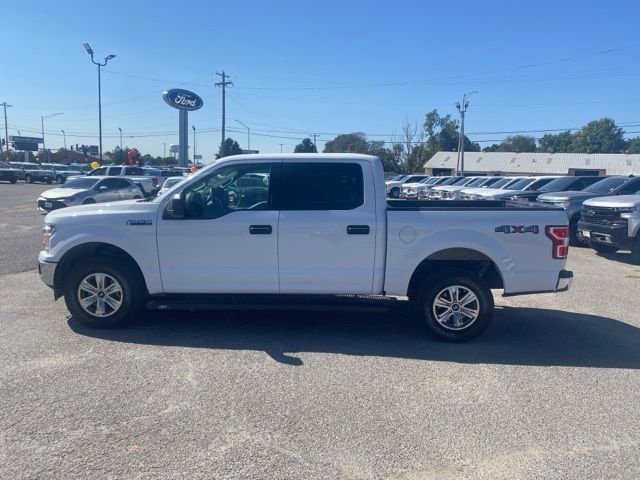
115,171
133,171
225,191
121,183
98,171
541,182
583,182
322,186
632,188
607,185
414,178
110,183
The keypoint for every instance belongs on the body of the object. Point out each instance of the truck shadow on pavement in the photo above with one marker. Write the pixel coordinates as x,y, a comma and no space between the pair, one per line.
517,336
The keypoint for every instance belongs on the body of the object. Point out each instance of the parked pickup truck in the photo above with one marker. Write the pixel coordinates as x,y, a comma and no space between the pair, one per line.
320,232
610,224
148,184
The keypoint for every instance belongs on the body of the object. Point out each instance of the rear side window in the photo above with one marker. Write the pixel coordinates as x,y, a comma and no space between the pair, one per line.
114,171
321,186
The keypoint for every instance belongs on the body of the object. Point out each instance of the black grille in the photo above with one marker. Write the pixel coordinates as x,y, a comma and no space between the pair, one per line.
602,216
55,204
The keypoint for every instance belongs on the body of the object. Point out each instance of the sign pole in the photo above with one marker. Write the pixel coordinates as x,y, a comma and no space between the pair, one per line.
183,137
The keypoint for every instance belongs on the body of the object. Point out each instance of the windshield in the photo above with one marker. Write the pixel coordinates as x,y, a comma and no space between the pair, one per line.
558,185
501,183
520,184
429,181
85,182
607,185
170,182
414,178
476,182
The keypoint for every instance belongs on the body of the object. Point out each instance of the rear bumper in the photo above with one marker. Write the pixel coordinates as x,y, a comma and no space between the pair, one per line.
565,279
614,235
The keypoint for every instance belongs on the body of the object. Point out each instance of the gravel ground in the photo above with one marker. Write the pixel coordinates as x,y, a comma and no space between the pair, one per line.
549,391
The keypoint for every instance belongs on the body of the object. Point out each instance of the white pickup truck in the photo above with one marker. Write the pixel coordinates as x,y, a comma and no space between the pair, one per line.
315,229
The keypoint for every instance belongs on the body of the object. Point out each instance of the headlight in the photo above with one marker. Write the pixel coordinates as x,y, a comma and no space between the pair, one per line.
562,204
68,199
47,233
626,209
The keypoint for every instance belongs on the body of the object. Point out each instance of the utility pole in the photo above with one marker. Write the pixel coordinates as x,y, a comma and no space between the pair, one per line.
281,147
194,143
314,141
120,138
164,155
6,128
64,138
223,84
462,108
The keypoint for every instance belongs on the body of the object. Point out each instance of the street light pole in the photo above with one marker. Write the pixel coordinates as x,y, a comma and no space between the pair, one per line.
120,138
42,119
64,139
248,134
100,65
462,108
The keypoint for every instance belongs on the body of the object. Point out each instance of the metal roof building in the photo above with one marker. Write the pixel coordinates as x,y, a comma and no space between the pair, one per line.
509,163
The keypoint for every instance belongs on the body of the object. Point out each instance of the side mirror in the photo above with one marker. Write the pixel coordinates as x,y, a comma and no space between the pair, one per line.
174,209
103,188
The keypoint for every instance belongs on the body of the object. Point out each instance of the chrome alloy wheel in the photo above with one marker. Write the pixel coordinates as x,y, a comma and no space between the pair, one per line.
456,307
100,295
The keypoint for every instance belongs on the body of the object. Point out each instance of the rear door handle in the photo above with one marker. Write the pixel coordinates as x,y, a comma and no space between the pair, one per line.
260,229
358,229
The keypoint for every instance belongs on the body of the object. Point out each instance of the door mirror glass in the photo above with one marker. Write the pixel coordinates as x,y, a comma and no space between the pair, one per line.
103,188
174,209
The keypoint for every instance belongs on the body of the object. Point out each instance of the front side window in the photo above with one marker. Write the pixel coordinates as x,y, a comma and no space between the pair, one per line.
115,171
321,186
229,189
98,171
607,185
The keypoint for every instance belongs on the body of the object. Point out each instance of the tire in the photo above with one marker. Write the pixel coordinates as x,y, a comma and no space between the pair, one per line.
445,327
13,181
601,248
89,201
119,298
574,239
635,250
49,181
395,192
28,179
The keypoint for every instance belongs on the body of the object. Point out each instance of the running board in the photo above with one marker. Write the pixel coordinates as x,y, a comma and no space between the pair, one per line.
317,303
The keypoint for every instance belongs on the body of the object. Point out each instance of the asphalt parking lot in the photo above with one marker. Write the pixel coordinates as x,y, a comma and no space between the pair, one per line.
551,390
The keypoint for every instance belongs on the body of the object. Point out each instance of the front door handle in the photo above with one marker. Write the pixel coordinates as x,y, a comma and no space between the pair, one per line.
358,229
260,229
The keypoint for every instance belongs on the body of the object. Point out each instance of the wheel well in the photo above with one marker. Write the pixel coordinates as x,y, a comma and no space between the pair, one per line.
82,252
463,258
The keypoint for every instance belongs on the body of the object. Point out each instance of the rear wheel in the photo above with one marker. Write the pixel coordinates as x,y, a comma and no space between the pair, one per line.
103,295
59,180
601,248
456,305
574,239
49,181
14,180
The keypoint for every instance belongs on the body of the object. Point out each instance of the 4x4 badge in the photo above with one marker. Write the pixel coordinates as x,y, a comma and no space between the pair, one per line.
518,229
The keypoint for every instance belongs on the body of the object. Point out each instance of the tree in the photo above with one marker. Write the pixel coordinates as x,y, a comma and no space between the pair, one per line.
228,148
518,144
599,136
306,146
410,140
442,135
347,143
555,143
633,145
386,155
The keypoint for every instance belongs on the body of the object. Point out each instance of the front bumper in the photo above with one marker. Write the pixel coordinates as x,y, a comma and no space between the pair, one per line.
614,235
46,205
47,272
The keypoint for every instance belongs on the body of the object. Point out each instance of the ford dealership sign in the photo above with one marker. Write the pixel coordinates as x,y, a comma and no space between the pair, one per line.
182,99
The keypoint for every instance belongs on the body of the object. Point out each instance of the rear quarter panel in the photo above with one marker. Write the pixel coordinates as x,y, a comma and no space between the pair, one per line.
524,260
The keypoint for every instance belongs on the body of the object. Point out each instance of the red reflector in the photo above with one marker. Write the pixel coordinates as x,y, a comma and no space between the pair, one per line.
559,236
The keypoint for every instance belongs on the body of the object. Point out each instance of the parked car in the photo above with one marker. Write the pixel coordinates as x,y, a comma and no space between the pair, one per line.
455,191
468,192
89,190
8,173
572,201
522,185
33,172
561,184
170,182
443,192
424,190
62,172
410,190
149,184
609,224
325,235
393,187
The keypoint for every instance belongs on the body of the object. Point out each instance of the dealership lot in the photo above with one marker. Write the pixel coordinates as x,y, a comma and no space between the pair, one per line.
550,390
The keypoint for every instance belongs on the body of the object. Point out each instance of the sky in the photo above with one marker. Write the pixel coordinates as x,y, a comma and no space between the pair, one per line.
330,67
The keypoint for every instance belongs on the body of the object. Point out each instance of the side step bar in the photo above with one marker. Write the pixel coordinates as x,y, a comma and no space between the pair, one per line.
318,303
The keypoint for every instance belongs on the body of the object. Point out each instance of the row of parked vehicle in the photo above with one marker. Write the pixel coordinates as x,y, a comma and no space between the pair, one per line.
602,211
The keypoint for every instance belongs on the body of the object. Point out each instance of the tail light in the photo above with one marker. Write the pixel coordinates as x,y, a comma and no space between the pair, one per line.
154,182
559,236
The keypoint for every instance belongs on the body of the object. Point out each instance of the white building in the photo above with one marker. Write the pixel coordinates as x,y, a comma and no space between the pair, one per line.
509,163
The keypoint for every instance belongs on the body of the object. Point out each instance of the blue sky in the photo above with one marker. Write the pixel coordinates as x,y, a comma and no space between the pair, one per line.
316,67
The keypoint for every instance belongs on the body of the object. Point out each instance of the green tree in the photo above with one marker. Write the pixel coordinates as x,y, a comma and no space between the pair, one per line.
518,144
386,155
306,146
633,145
492,148
599,136
556,142
347,143
228,148
442,135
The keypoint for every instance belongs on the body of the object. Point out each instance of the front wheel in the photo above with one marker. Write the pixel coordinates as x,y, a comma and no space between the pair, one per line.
103,295
49,181
394,193
456,305
59,180
88,201
13,181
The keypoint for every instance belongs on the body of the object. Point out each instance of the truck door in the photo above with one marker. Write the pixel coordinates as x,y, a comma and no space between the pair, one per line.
226,241
326,236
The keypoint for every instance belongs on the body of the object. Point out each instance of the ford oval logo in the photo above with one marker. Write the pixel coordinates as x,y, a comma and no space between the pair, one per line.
182,99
